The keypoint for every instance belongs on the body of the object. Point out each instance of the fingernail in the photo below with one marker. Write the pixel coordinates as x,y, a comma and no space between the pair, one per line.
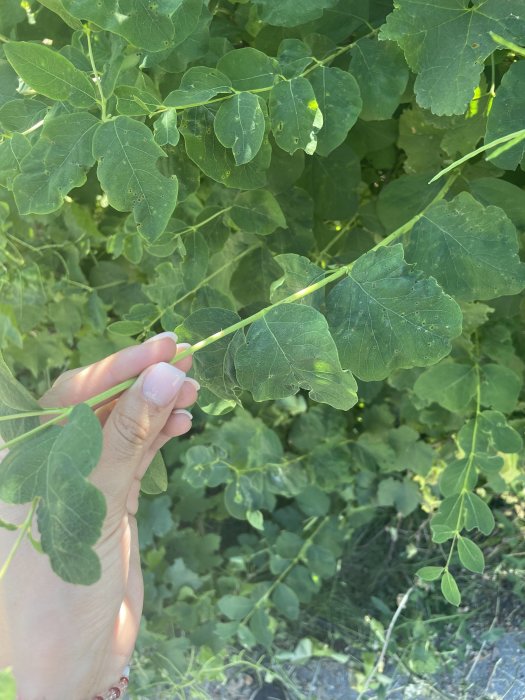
183,412
195,383
162,383
166,334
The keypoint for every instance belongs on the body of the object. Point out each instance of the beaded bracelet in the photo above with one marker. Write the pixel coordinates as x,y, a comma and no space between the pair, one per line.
116,691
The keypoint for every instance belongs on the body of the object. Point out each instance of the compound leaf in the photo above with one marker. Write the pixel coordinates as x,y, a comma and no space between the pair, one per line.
127,169
291,348
386,316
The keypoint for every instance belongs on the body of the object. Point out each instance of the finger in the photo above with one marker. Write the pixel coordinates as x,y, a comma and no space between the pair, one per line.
135,422
187,397
83,383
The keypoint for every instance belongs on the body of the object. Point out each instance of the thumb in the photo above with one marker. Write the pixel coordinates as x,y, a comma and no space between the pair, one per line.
133,425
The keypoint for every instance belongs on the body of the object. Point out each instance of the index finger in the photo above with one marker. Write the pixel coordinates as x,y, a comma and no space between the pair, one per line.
84,383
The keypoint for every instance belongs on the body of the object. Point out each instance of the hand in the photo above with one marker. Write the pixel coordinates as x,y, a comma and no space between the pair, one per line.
70,642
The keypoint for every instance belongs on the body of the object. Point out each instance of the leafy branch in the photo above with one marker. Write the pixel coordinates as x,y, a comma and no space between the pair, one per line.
297,296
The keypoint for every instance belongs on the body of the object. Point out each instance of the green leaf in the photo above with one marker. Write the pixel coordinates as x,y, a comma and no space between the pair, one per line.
506,116
260,628
19,115
213,365
457,476
202,146
450,39
12,152
248,68
295,115
127,169
404,495
489,432
7,684
165,129
149,25
53,465
500,388
333,183
134,102
50,73
8,83
14,398
155,480
450,589
289,13
252,279
339,100
450,384
257,212
299,273
321,561
240,125
56,164
236,607
291,348
386,316
255,518
58,8
198,84
478,514
471,250
381,74
430,573
470,555
205,466
448,519
286,601
503,194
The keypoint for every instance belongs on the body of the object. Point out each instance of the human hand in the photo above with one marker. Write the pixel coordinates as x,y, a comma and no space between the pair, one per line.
70,642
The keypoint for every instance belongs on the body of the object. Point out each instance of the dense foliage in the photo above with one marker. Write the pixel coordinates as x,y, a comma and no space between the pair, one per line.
255,175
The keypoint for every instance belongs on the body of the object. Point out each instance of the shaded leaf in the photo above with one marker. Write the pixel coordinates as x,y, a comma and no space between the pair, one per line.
471,250
291,348
239,124
56,164
450,589
295,115
289,13
127,169
155,480
385,315
257,212
450,384
506,116
470,555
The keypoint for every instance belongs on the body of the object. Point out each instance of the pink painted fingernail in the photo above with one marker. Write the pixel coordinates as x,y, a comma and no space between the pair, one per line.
162,383
160,336
195,383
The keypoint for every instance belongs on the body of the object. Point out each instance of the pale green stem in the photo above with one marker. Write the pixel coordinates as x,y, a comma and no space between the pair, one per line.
297,296
96,74
517,135
196,227
23,529
470,463
510,45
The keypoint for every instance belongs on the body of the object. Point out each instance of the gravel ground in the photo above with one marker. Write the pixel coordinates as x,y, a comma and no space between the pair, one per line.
496,671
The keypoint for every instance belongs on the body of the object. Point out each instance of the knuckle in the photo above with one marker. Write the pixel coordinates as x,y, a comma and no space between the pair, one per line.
132,430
